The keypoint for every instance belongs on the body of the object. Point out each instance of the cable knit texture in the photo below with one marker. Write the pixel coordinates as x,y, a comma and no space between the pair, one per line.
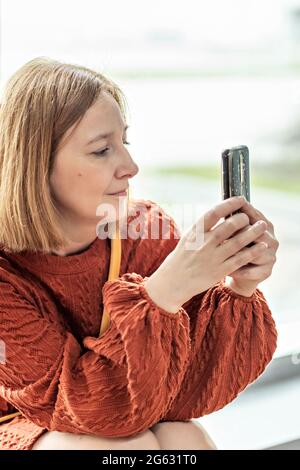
150,365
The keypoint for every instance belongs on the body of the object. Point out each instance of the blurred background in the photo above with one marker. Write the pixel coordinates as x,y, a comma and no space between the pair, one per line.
200,76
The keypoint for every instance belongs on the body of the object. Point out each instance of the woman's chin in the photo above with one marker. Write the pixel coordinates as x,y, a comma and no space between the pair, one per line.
109,223
109,212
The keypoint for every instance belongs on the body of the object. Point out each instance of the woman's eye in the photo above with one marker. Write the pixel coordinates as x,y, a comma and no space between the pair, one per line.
103,152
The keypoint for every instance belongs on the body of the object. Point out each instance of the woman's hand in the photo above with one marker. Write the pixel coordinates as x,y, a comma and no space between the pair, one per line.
245,279
205,254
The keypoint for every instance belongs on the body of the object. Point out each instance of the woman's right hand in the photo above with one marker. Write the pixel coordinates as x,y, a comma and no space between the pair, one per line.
205,254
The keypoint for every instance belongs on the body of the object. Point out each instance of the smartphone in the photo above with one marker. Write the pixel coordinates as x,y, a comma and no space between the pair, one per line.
235,173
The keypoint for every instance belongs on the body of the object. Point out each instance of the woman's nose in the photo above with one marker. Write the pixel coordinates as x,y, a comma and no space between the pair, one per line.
132,166
128,167
136,169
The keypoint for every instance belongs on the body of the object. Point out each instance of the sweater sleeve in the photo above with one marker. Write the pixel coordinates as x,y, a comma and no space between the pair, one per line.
118,386
233,338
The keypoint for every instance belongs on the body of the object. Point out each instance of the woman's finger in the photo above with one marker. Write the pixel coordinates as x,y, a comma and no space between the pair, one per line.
224,208
242,257
254,215
254,273
241,241
228,228
265,237
265,258
270,240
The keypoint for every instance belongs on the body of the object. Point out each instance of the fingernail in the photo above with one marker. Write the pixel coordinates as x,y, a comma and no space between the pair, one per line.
261,222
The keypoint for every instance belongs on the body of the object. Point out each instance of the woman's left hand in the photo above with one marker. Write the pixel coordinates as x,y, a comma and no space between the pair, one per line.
245,279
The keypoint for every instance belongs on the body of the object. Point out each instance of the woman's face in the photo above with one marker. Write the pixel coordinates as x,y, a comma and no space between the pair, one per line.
81,180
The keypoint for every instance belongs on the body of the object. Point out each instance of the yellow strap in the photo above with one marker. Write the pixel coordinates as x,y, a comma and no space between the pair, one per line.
114,271
10,416
114,267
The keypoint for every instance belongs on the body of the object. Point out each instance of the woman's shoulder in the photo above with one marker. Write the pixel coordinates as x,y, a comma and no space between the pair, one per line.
153,219
152,235
13,278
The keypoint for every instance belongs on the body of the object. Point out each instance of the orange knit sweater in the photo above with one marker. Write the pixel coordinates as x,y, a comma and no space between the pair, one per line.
150,365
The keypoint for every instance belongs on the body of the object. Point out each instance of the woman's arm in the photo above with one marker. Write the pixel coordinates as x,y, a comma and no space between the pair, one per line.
233,338
119,386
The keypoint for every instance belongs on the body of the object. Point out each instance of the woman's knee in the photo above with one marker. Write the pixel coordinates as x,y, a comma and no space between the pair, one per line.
182,435
56,440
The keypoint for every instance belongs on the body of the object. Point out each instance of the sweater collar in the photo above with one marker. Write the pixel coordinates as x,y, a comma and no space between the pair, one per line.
49,263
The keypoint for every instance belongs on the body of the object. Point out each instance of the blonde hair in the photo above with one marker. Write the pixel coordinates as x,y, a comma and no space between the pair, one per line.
40,102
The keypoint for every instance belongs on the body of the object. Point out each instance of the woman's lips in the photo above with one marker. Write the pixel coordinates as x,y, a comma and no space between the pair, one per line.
123,193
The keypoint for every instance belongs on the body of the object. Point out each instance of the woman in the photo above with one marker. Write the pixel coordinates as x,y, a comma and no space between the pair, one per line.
182,342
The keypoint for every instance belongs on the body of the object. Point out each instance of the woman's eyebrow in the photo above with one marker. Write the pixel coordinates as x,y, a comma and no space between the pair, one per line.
103,136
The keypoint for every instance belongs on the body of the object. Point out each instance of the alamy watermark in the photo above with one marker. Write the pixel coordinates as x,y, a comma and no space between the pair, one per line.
295,358
2,352
134,222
